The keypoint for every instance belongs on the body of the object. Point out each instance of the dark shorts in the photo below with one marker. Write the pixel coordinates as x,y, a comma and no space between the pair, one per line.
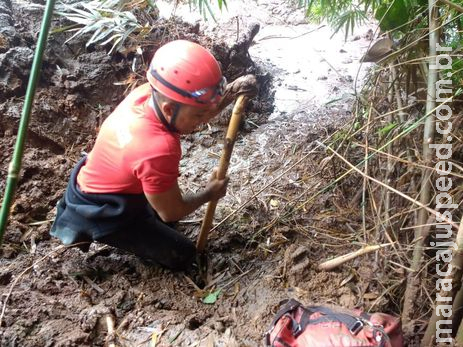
124,221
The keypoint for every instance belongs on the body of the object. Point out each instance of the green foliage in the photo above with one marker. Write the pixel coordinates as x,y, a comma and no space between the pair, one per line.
339,14
106,20
204,7
453,37
113,21
392,15
456,73
222,3
349,19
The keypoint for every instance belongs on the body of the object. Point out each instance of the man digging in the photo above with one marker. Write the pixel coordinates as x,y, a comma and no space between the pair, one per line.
125,193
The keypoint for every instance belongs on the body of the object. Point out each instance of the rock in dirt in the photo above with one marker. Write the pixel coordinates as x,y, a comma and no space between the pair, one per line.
14,70
7,31
297,262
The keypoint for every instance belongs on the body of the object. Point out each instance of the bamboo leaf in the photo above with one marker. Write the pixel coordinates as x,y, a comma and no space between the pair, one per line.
151,4
116,44
110,39
95,34
102,19
104,34
77,34
384,131
78,20
85,14
211,298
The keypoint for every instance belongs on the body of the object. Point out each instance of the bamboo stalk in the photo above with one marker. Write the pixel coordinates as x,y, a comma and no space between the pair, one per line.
365,180
334,263
396,88
385,194
413,281
457,312
15,165
410,163
454,277
459,337
230,139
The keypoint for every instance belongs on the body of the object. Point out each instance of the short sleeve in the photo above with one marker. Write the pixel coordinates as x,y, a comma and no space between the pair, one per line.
158,174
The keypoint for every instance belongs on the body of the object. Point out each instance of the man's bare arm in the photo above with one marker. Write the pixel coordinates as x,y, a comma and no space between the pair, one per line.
172,205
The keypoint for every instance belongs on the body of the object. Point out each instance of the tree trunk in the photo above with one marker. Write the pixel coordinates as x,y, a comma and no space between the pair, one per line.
413,281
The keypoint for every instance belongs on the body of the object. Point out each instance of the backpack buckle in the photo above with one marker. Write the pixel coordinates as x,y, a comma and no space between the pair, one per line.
297,330
356,327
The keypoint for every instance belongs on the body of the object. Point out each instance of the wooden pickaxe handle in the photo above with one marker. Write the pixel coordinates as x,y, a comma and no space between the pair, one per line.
230,139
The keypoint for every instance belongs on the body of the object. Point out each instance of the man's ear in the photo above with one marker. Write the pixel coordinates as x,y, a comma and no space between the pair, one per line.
167,108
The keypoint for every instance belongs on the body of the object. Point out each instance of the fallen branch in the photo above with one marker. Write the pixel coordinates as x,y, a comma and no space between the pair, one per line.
406,131
410,163
334,263
93,285
110,338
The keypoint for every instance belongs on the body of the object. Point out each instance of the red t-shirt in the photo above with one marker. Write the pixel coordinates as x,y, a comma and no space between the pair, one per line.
134,152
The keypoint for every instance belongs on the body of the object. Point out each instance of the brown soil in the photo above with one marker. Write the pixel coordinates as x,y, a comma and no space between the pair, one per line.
263,255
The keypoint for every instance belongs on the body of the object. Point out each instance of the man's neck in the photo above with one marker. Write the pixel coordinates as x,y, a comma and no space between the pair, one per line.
158,112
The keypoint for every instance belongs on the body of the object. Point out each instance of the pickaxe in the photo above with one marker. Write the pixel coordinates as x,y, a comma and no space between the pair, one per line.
230,138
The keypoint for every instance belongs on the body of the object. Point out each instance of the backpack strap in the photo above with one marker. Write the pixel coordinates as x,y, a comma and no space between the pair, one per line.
281,342
354,324
288,307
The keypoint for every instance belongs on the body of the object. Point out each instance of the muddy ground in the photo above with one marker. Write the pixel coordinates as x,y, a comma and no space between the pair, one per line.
262,255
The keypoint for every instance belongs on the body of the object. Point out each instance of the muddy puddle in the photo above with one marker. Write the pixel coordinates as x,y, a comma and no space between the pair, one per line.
264,253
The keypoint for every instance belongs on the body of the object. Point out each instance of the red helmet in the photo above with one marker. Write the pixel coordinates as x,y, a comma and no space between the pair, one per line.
187,73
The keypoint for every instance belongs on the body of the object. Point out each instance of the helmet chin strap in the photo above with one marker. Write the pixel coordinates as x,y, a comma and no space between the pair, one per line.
170,126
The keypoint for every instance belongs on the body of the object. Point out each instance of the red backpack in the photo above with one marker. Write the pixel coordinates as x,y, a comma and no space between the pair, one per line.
319,326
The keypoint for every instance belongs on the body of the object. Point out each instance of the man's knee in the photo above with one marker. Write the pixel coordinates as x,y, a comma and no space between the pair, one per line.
181,258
